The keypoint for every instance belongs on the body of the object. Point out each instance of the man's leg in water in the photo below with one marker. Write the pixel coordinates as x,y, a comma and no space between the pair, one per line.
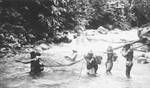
128,70
106,67
95,68
109,67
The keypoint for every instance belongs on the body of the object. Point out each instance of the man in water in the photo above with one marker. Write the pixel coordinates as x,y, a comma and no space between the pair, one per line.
109,62
35,65
92,66
128,54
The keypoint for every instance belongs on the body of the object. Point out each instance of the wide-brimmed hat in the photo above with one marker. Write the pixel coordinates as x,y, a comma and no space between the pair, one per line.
109,49
90,52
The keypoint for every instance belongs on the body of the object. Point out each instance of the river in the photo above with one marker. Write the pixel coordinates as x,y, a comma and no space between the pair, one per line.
15,75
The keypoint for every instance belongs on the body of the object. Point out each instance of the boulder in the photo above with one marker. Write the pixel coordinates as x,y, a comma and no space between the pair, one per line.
142,60
102,30
44,46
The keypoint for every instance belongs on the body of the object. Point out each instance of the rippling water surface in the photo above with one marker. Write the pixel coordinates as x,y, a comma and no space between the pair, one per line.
15,75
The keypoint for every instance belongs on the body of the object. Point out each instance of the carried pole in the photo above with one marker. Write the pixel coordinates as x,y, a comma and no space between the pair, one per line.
126,44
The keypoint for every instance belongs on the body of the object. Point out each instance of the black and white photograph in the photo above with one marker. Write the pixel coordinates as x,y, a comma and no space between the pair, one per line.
74,43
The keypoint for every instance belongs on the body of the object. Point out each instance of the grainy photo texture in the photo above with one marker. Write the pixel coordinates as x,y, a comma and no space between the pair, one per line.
74,43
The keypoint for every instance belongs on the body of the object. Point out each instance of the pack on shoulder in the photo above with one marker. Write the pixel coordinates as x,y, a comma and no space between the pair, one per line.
98,59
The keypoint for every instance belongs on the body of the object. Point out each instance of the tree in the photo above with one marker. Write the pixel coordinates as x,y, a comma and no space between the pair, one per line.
141,8
43,17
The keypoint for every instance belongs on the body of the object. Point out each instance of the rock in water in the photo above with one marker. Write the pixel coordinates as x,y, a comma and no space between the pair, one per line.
102,30
44,46
142,60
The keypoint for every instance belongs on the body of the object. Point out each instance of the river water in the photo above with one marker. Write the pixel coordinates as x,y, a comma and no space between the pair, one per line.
15,75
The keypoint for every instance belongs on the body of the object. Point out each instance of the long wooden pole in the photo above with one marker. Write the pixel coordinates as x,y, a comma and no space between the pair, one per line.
126,44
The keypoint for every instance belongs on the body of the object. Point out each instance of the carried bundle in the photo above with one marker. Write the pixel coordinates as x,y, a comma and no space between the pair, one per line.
98,59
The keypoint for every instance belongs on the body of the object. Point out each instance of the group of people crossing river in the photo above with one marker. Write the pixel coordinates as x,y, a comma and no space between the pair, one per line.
92,61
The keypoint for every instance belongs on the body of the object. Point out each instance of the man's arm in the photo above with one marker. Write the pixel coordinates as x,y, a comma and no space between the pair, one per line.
72,58
67,57
86,59
25,61
91,59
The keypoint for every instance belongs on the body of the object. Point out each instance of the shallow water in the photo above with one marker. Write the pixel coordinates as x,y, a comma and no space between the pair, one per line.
15,75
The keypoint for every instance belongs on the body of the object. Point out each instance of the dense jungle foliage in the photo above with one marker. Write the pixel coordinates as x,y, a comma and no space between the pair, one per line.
27,21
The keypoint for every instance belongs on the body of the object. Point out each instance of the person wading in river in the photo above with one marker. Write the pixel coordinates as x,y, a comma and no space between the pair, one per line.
111,56
127,52
35,65
92,66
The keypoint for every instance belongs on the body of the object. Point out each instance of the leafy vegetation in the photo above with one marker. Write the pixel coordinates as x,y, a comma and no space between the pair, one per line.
27,21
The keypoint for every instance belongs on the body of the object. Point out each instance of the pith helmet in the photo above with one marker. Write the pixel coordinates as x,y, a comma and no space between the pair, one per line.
109,49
